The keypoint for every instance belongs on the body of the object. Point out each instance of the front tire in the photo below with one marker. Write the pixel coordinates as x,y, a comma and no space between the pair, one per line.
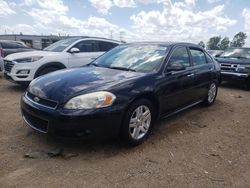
211,94
138,122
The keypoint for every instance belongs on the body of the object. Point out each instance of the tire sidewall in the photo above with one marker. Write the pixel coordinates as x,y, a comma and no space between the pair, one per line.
126,120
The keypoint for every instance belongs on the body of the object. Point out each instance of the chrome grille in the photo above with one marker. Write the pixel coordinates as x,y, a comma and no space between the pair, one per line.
8,65
41,101
228,67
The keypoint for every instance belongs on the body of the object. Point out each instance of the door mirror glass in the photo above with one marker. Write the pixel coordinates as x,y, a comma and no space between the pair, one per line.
74,50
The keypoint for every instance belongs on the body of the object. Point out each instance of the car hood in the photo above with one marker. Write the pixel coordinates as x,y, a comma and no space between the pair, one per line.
233,60
20,55
64,84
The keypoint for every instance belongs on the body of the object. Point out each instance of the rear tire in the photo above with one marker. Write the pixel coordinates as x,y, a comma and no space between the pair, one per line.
211,94
138,121
248,83
47,70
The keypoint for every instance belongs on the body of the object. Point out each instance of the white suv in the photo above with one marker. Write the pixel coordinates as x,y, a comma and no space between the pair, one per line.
23,67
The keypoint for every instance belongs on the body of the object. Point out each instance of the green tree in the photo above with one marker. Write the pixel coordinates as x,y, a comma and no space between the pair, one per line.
213,43
239,40
224,44
202,44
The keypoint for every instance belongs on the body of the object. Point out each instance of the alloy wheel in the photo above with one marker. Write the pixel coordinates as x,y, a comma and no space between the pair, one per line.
212,92
139,122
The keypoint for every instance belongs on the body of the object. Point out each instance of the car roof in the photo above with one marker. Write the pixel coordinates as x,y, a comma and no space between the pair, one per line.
169,43
89,37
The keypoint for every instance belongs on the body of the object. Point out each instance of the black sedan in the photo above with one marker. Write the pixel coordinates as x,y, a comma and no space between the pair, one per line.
123,92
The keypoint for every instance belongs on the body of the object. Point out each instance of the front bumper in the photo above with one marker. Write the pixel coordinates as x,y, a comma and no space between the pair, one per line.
105,122
12,71
234,76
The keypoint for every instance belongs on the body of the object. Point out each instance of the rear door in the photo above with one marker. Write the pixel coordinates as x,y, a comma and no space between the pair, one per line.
202,71
178,85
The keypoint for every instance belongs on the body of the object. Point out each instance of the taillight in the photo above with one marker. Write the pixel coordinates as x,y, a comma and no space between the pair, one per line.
1,52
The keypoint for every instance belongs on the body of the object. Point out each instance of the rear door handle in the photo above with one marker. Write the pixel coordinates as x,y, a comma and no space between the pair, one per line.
190,75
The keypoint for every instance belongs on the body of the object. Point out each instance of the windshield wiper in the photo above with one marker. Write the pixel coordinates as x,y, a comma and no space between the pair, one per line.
123,68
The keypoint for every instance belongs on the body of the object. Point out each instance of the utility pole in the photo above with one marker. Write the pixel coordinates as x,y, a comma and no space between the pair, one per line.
122,35
111,34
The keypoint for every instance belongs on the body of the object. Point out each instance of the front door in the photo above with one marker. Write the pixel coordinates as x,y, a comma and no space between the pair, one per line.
177,85
88,52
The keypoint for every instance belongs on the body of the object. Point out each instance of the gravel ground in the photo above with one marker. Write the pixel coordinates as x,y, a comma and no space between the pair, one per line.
202,147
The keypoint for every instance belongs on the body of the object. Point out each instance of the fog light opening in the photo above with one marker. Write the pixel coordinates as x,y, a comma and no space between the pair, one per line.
23,72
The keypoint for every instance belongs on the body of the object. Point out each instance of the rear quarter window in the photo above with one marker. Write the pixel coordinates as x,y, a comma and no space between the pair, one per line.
209,58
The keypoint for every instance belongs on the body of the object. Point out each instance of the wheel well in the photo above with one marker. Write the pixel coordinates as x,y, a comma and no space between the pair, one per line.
152,99
48,65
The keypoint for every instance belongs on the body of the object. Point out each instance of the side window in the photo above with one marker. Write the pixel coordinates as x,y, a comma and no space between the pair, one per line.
209,58
106,46
198,57
179,57
85,46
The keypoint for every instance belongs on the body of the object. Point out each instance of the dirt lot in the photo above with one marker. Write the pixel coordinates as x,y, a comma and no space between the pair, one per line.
202,147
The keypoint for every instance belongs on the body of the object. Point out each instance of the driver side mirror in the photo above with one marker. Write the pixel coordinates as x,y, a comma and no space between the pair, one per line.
74,50
175,68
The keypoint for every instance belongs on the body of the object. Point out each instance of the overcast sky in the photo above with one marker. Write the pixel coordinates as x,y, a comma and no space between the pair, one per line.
133,20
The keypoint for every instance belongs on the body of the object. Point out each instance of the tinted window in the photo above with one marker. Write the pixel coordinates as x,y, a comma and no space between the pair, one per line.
198,57
179,57
87,46
106,46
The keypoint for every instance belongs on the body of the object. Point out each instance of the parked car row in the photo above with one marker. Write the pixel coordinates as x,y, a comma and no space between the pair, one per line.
118,93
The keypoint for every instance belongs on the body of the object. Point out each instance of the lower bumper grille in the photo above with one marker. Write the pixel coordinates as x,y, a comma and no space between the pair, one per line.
36,123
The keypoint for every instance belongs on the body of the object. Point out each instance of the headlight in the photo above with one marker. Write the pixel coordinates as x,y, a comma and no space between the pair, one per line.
91,101
242,68
29,59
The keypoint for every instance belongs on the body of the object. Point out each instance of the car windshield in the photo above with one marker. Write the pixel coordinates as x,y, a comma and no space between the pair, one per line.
139,58
237,53
60,45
